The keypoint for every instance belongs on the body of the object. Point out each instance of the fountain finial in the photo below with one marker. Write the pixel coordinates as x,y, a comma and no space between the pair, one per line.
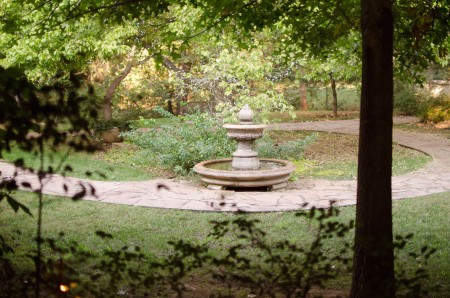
246,115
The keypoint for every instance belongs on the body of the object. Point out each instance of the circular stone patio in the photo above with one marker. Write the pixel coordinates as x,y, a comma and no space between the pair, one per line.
176,194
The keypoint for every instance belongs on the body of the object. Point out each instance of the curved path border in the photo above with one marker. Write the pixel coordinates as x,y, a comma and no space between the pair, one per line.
175,194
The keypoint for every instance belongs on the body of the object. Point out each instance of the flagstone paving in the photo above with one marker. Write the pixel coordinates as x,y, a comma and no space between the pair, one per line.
305,193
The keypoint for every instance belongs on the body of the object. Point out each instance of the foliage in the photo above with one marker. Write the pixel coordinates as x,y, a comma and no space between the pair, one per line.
329,19
421,36
411,101
217,69
44,52
406,98
102,125
435,110
183,143
289,269
267,147
410,284
7,273
27,109
263,103
65,36
243,78
30,119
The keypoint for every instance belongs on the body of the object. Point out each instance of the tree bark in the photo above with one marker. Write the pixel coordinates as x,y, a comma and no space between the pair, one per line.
107,99
303,99
180,72
373,267
333,89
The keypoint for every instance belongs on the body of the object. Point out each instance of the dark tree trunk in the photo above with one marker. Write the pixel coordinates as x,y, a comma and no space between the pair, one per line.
373,268
107,100
169,106
303,99
333,89
326,98
181,73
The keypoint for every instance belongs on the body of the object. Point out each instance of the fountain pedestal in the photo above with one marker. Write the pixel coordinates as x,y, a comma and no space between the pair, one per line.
245,133
245,169
245,158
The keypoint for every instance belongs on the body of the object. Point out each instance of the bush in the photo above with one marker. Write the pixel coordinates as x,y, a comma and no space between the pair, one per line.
267,147
406,101
184,142
181,142
435,110
102,125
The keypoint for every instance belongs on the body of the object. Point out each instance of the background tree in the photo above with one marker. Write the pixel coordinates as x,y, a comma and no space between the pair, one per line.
61,38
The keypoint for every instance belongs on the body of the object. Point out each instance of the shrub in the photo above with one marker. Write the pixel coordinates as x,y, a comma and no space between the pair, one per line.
406,101
435,110
184,142
102,125
268,148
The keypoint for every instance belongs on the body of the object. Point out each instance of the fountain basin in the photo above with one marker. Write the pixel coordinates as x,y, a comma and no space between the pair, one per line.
219,174
245,131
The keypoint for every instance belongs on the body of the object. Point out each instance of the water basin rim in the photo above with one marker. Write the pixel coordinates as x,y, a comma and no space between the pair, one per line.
285,167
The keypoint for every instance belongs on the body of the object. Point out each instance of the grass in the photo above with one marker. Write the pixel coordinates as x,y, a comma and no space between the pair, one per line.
334,156
110,165
426,217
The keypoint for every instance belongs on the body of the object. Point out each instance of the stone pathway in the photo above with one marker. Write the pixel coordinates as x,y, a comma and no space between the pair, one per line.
175,194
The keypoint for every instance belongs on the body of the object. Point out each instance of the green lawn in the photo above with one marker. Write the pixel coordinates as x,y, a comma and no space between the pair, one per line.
110,165
404,161
151,229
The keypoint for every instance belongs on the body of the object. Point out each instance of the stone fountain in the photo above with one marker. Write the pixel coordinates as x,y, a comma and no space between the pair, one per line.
245,170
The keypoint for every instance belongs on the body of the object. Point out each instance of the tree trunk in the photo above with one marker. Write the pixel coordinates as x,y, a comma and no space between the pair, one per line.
107,100
303,99
170,107
326,97
373,268
333,89
180,72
